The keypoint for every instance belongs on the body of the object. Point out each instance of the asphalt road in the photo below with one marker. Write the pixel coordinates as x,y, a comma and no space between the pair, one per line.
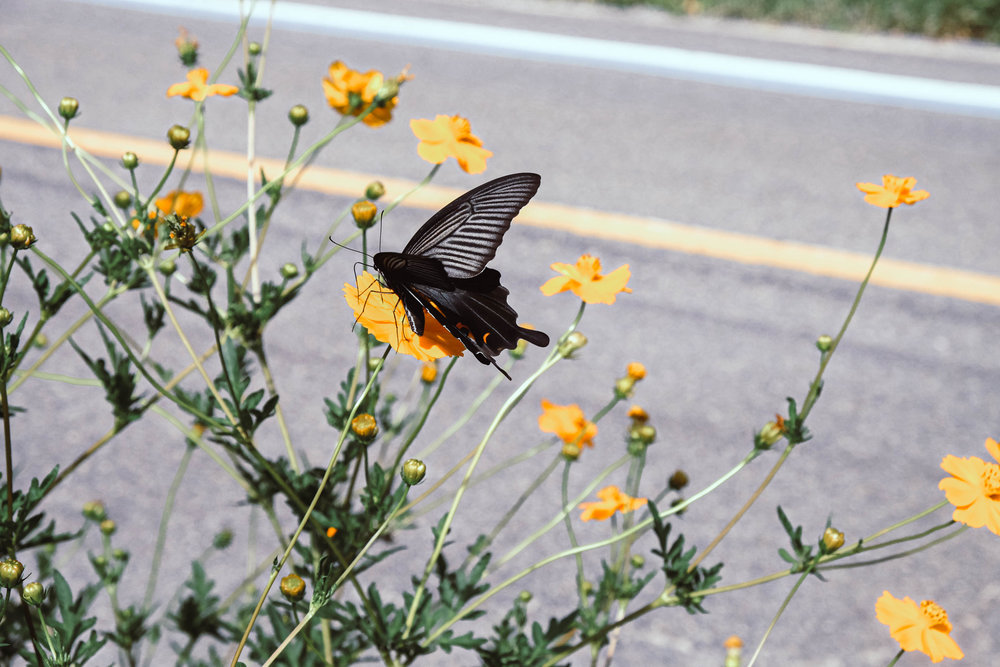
724,341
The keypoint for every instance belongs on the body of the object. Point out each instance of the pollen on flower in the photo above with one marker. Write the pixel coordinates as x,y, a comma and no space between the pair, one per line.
925,628
586,281
450,136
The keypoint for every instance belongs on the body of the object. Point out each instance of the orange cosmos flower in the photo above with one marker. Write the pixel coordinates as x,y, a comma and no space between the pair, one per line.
568,422
450,136
331,531
184,204
893,192
381,312
924,628
974,488
196,87
350,92
585,280
612,500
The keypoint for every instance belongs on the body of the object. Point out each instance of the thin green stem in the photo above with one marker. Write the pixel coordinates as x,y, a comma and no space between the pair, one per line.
161,533
777,615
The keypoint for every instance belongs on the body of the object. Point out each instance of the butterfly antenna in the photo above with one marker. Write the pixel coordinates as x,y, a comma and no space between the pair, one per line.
344,247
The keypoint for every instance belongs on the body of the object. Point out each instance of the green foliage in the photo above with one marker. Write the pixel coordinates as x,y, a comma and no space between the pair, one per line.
67,645
685,580
27,530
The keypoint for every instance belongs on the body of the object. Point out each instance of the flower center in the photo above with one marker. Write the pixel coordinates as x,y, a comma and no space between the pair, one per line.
991,480
935,614
460,127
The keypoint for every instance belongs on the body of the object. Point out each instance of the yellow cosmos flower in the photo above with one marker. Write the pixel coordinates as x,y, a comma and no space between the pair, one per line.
196,87
924,628
893,192
450,136
350,92
612,500
974,488
184,204
568,422
381,312
585,280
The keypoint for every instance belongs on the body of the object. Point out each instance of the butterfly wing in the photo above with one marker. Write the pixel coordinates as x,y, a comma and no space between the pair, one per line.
465,234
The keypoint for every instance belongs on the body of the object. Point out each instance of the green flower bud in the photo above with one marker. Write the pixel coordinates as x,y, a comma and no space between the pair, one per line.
187,48
5,317
770,433
222,539
637,561
254,48
375,190
572,343
120,555
388,91
94,510
179,137
824,343
298,115
33,593
22,236
524,597
289,271
293,588
10,572
68,107
130,160
108,527
167,267
123,199
413,472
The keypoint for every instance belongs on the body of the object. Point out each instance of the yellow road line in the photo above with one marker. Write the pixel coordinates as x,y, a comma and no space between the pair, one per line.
650,232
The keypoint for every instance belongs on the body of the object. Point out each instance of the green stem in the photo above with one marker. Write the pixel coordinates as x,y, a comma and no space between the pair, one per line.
774,621
161,534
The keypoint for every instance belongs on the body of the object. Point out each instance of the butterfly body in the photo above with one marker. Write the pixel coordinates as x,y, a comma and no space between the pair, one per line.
443,269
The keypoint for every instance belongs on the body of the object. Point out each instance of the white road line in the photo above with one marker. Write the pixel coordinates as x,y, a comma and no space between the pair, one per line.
727,70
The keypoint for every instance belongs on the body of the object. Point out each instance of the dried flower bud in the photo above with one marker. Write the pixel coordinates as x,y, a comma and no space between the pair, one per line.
572,343
375,190
364,213
293,588
823,343
22,236
123,199
678,480
68,107
5,317
413,472
10,572
179,137
33,593
364,427
833,539
289,271
130,160
298,115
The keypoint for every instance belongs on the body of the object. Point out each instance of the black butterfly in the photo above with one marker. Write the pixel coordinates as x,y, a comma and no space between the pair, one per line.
443,269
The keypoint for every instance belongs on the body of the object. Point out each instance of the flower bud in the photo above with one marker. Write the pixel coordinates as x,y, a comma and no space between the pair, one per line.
10,572
624,387
524,597
636,371
646,433
375,190
365,428
298,115
678,480
94,510
123,199
675,502
179,137
331,532
823,343
254,48
734,652
587,587
413,472
22,236
364,213
120,555
33,593
187,48
770,433
833,539
571,451
41,341
638,415
289,271
68,107
167,267
572,343
108,527
388,91
637,561
5,317
293,588
429,372
130,160
222,539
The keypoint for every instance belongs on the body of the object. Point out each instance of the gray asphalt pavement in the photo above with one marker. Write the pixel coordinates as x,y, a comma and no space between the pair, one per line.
724,342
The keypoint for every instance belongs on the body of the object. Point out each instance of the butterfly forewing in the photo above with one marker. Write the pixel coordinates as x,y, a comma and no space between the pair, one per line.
464,235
